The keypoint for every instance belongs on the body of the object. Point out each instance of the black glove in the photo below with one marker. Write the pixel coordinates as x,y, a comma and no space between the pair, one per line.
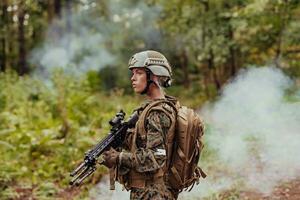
110,158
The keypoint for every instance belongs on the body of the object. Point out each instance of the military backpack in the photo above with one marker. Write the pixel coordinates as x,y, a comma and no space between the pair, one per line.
184,145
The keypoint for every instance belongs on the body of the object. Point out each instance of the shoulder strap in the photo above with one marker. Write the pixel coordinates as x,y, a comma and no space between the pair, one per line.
145,112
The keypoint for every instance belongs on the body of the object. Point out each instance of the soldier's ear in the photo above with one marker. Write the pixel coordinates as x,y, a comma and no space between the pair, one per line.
154,77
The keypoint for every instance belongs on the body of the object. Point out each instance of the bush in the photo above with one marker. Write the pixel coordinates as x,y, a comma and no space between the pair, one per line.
45,130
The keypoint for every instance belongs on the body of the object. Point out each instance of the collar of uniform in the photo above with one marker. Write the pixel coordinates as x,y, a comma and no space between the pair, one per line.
147,102
150,101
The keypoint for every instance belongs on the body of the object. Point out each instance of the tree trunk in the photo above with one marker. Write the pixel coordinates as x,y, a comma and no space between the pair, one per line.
216,80
22,65
278,45
210,61
50,9
3,58
206,69
69,15
184,67
212,67
232,55
57,8
206,84
284,16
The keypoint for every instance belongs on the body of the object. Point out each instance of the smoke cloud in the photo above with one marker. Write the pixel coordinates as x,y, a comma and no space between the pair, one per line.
77,50
255,131
102,191
84,40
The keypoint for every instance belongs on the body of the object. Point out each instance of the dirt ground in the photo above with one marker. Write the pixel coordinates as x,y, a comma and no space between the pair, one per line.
287,191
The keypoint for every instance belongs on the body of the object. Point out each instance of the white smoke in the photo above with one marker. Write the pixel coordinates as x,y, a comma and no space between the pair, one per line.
77,50
102,191
85,40
255,130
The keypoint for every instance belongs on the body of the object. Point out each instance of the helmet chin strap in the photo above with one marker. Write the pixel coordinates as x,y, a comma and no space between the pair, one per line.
149,81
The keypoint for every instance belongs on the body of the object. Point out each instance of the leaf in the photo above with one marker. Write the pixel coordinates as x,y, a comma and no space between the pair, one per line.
6,144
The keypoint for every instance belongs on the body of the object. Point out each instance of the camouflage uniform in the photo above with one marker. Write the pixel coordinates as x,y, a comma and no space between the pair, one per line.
153,191
148,157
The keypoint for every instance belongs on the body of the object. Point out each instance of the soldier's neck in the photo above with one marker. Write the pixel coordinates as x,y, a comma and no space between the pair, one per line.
155,93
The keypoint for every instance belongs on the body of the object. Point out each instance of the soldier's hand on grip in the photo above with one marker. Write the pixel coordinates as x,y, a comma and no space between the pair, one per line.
110,158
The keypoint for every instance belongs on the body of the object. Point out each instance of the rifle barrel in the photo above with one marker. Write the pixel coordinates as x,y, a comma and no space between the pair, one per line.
77,169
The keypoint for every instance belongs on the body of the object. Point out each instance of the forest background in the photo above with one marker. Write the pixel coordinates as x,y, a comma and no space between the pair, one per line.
64,72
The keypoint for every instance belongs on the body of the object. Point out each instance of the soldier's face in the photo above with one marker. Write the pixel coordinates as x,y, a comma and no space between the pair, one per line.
138,79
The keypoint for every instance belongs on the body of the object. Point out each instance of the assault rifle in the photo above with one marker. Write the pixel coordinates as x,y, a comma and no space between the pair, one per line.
114,139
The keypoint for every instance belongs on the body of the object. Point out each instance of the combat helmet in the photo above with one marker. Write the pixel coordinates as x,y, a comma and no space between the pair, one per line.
153,62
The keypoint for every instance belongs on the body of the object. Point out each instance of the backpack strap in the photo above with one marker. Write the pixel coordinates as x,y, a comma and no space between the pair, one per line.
170,137
142,120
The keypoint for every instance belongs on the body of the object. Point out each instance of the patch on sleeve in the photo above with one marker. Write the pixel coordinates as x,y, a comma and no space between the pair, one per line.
160,152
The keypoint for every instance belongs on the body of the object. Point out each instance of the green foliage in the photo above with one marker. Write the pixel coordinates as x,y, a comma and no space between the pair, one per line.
222,36
94,80
192,97
45,130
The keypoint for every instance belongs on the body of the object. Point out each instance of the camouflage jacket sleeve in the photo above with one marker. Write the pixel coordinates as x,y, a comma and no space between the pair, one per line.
151,152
